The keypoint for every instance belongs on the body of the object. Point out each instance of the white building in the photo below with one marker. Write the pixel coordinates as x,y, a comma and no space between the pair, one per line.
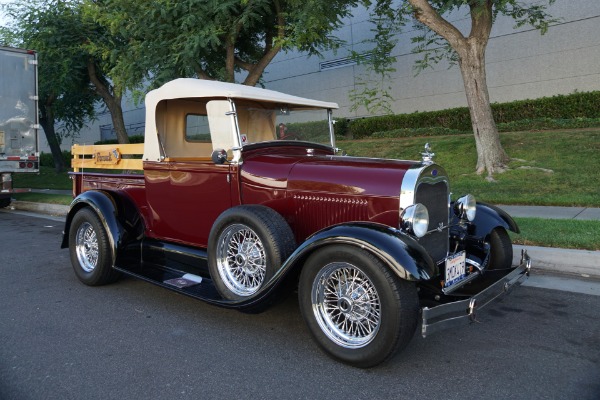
521,64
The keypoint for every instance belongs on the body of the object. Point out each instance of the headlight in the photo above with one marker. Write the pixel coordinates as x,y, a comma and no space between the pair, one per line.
415,219
466,207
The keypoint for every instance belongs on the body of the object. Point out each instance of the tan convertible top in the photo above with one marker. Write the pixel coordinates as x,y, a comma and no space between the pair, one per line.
189,88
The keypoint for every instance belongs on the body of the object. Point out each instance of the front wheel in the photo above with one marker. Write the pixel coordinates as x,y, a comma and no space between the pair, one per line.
501,251
357,310
90,249
247,246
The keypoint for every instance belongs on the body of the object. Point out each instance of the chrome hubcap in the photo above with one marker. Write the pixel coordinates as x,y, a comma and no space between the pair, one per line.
241,260
86,247
346,305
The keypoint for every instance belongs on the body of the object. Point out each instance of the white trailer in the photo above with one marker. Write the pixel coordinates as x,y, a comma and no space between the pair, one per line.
19,125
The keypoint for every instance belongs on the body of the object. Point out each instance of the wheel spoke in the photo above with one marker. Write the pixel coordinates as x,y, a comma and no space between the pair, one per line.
241,260
346,305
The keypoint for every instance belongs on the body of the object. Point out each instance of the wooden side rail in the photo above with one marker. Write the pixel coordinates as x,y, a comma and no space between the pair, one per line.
107,156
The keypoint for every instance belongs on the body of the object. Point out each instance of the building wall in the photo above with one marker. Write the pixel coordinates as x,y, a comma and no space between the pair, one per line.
521,64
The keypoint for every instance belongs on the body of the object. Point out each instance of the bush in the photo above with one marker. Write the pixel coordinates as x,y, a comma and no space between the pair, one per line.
404,132
582,107
46,159
132,139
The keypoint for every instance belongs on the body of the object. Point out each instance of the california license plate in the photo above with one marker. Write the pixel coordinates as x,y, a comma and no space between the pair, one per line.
455,268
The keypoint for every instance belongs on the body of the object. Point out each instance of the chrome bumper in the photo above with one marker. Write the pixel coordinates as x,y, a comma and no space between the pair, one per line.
462,312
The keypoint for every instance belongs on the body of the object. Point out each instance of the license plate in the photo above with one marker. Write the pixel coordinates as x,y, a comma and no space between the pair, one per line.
455,268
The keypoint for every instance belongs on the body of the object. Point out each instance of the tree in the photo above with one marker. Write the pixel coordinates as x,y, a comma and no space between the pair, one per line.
442,39
214,39
52,29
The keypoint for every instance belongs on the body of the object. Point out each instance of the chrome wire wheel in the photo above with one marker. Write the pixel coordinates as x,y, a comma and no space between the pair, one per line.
241,259
346,305
86,246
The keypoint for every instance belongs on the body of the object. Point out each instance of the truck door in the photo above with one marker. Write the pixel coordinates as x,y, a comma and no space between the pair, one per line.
188,191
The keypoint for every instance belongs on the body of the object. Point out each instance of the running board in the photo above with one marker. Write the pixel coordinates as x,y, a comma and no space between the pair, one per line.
195,286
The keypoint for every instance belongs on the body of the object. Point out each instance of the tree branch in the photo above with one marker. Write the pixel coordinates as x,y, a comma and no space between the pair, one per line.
427,15
481,21
270,50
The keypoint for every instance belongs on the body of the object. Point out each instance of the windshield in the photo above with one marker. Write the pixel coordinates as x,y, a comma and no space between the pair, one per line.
261,123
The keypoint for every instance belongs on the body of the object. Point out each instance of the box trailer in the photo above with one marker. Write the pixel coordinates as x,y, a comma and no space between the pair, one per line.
19,125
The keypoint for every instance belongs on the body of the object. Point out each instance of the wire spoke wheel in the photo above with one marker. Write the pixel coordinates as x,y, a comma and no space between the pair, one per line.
241,260
346,305
90,250
355,307
86,247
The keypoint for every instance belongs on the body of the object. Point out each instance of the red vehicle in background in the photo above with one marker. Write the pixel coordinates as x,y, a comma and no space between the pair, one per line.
239,195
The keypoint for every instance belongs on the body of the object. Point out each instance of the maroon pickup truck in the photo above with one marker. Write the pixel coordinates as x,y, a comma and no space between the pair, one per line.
239,195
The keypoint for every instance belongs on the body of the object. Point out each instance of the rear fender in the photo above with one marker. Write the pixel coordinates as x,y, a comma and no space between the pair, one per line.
105,205
403,254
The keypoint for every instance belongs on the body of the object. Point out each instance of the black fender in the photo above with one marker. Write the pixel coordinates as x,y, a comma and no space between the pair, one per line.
403,254
111,210
489,217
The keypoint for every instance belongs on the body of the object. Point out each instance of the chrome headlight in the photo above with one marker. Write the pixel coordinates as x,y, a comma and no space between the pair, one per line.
415,219
466,207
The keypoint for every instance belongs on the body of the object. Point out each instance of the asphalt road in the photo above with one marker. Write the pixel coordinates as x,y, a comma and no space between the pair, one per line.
62,340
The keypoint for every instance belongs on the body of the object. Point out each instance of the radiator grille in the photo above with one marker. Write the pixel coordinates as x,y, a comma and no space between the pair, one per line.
435,198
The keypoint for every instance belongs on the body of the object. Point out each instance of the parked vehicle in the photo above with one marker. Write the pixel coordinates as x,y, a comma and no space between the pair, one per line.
240,195
18,117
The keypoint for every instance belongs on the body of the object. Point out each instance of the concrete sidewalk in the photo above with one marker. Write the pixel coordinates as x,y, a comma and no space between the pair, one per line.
579,213
583,263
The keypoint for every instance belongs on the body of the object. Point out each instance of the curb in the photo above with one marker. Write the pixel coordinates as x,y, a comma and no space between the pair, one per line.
58,210
584,263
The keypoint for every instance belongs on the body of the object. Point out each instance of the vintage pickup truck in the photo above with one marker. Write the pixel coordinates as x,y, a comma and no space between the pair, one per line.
239,195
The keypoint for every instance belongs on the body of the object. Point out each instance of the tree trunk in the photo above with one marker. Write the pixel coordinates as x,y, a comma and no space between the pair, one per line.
490,153
112,101
47,121
116,114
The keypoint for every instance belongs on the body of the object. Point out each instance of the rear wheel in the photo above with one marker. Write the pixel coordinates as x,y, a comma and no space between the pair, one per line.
91,255
5,202
356,309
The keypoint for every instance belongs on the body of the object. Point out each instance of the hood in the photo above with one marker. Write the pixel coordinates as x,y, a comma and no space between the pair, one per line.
353,176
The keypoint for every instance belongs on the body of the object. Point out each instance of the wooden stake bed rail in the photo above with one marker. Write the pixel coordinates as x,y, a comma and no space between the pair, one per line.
107,156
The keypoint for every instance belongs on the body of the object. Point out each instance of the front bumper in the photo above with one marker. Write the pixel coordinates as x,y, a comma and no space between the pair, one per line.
463,312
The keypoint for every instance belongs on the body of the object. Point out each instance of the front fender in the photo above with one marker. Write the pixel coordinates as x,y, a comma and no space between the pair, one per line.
403,254
105,207
489,217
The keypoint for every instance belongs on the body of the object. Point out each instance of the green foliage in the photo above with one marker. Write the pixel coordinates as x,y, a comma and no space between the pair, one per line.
46,159
556,112
411,132
213,39
132,139
54,29
547,167
48,178
566,234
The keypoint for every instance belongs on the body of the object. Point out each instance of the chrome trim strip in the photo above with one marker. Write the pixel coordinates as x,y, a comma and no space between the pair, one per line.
464,311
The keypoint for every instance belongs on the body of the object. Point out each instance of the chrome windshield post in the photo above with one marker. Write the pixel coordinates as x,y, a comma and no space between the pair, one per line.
331,131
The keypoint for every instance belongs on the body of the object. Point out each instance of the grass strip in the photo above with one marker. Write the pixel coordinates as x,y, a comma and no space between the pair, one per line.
560,233
547,168
44,198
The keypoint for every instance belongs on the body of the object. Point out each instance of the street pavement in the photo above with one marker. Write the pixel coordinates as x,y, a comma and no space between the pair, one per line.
582,263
